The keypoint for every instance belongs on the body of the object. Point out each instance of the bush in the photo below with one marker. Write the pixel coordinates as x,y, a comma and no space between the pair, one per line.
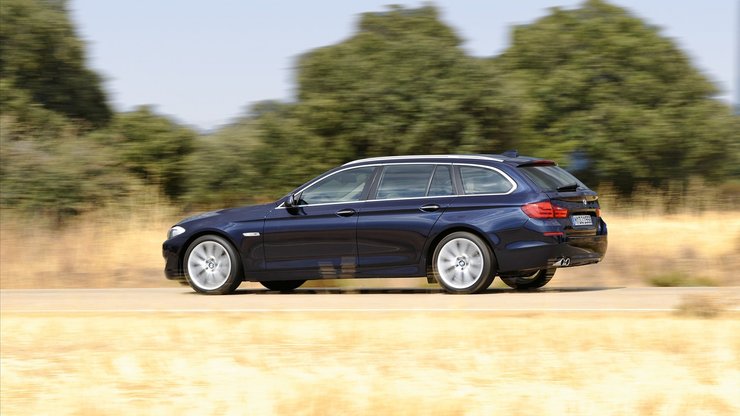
702,306
677,278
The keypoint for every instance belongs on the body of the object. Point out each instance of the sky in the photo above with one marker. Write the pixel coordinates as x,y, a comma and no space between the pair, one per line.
203,63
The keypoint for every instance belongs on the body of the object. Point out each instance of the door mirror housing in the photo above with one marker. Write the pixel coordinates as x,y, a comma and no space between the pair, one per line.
292,201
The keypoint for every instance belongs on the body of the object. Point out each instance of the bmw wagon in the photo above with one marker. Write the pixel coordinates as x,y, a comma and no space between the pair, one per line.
459,220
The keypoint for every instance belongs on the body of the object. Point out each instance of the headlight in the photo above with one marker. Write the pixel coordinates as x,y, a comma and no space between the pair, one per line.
175,231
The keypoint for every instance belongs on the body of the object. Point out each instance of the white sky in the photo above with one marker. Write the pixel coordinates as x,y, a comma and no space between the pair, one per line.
203,62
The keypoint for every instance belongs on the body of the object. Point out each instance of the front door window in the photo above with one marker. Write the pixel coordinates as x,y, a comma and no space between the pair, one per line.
344,186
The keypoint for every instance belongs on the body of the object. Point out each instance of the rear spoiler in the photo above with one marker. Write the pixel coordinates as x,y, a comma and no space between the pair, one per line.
541,162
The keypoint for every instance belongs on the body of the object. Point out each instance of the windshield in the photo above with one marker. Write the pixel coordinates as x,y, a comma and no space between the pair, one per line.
550,178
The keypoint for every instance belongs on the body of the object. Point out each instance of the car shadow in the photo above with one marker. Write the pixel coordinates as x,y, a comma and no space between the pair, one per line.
407,291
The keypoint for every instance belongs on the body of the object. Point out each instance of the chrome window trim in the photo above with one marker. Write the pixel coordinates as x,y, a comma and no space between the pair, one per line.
504,174
282,206
391,158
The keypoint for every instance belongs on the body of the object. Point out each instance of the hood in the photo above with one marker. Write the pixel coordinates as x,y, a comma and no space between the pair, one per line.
248,213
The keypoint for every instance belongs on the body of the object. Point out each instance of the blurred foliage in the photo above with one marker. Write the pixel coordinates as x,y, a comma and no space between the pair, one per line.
60,177
676,278
41,54
702,306
150,146
61,150
600,83
594,88
220,168
401,85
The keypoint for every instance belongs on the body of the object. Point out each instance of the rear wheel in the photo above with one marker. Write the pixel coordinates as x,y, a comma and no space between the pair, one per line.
212,266
528,280
283,285
463,263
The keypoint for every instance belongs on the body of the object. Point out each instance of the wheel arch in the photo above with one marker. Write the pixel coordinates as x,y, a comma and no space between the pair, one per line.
429,252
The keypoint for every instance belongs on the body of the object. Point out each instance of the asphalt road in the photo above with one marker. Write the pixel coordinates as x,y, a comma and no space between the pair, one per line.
586,299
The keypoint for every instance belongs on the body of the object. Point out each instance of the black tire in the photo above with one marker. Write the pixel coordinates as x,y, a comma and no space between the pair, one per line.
283,285
463,263
215,266
527,281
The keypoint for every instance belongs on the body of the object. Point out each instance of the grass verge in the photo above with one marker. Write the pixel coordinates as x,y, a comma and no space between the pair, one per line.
368,363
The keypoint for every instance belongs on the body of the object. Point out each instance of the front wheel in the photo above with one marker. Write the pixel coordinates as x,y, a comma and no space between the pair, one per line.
525,281
283,285
463,263
212,266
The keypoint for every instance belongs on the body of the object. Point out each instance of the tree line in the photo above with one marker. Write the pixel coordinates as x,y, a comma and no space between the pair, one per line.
595,88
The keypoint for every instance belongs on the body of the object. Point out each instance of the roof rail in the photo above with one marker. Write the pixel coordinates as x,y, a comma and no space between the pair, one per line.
389,158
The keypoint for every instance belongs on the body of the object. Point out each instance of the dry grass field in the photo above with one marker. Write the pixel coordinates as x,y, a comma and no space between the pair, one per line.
369,364
666,250
123,249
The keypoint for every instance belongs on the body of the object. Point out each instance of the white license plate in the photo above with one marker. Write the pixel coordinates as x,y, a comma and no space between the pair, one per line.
581,220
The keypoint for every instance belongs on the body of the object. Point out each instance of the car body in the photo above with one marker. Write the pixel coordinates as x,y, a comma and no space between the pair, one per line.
456,219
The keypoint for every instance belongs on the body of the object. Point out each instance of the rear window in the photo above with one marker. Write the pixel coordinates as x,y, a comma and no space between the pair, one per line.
550,178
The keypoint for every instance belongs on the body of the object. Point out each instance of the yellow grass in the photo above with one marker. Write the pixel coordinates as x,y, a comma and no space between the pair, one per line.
123,249
104,249
368,364
703,247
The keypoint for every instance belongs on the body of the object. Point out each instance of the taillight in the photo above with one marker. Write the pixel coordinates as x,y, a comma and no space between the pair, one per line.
544,209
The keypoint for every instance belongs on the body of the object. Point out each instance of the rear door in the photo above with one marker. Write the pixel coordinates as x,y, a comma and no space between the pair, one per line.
396,220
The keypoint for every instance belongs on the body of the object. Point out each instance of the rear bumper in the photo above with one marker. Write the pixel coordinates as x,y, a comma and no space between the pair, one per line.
556,251
579,251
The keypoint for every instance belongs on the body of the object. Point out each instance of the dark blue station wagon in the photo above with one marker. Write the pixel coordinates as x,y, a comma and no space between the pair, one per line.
459,220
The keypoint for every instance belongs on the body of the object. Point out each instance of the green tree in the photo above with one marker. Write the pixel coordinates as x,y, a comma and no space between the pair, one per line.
152,147
61,177
290,152
221,168
598,82
402,84
42,55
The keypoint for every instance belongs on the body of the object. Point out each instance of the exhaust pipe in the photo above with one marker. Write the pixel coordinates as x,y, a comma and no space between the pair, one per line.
562,262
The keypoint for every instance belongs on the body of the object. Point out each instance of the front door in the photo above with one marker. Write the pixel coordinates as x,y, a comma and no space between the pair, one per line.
318,237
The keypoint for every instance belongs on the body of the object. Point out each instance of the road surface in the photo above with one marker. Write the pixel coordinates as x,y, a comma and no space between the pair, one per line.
587,299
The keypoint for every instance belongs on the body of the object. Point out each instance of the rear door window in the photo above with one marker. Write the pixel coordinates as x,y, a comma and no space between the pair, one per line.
404,181
480,180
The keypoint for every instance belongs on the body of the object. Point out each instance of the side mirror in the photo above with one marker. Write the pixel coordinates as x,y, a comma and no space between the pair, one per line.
292,201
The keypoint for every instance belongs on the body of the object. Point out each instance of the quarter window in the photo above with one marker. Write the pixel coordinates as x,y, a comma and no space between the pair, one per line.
344,186
405,181
478,180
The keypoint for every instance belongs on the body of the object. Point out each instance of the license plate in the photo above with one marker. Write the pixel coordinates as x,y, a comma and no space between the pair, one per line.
581,220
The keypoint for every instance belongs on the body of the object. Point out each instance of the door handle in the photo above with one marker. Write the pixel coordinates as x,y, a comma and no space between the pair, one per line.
429,207
346,212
